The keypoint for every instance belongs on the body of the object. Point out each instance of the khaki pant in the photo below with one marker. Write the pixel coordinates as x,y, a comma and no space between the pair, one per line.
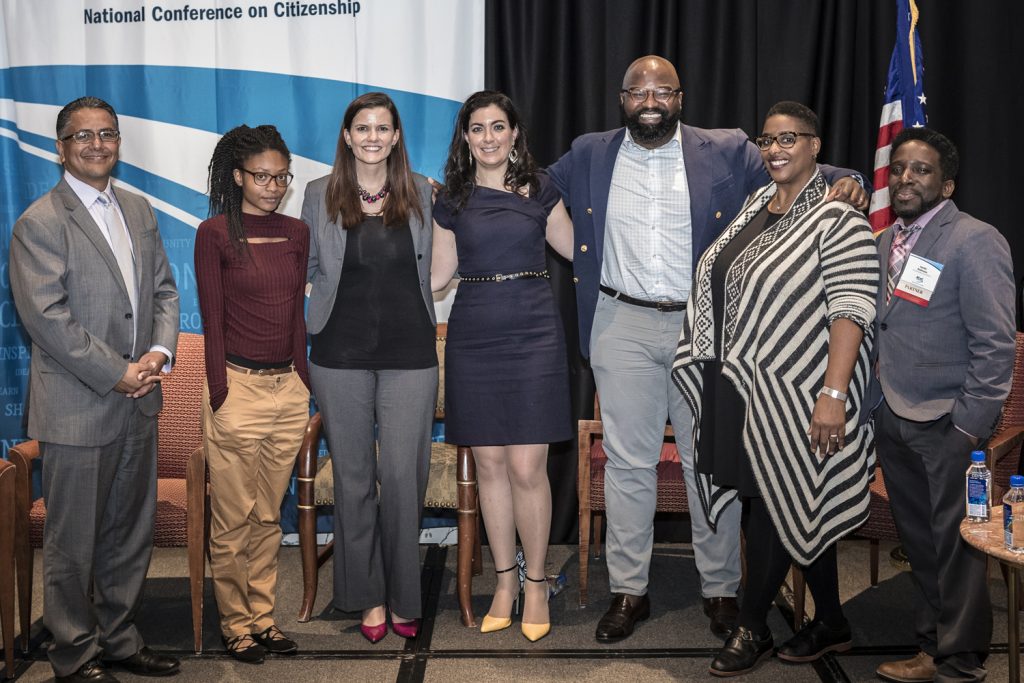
251,443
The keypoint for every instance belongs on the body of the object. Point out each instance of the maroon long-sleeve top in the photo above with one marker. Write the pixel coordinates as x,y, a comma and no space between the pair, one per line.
252,304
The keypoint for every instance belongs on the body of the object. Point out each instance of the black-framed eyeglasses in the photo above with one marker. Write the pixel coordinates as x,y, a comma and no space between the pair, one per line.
786,139
263,179
639,95
84,137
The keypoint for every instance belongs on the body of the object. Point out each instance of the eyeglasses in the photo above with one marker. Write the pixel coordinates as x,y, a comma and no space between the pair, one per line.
639,95
84,137
263,179
785,140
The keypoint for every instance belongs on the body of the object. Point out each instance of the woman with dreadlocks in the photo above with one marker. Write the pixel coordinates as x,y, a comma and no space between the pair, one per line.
251,275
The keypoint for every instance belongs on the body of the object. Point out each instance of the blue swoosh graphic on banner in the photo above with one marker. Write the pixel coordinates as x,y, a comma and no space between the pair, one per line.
306,110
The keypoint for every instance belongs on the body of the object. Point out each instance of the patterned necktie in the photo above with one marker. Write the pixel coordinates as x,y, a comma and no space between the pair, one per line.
898,254
122,248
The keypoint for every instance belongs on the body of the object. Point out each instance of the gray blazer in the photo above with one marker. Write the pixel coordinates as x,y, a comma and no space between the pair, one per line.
72,300
954,356
327,251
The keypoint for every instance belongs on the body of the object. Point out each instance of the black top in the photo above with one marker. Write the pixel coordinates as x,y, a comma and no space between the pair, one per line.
721,435
379,320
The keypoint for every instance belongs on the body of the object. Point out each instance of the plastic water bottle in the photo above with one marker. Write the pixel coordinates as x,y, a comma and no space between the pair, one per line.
979,488
1013,515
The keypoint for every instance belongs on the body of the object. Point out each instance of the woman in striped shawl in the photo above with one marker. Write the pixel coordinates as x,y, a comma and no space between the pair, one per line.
776,341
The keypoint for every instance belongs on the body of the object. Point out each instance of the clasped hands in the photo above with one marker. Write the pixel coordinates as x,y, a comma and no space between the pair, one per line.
141,378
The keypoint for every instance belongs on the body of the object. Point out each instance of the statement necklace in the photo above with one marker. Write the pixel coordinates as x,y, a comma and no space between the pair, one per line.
374,198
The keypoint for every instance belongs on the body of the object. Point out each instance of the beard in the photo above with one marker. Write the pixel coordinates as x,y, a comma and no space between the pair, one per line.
645,132
914,208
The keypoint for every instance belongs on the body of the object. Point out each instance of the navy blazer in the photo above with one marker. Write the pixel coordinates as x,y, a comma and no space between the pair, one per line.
723,167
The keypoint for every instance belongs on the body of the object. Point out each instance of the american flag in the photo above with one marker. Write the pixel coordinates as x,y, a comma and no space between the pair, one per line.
904,106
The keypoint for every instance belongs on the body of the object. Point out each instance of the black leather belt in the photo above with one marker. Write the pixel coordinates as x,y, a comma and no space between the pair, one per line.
499,277
661,306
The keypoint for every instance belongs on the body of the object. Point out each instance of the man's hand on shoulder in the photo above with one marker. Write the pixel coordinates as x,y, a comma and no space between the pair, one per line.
849,191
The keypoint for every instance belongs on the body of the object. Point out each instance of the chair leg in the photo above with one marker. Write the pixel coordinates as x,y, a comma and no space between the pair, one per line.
197,539
308,554
874,562
23,548
584,554
467,516
799,598
598,530
7,496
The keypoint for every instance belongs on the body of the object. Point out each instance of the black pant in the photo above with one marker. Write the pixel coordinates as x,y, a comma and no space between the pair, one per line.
924,465
767,564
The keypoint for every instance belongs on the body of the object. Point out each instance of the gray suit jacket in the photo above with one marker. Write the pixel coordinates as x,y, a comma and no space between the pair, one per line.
327,251
954,356
72,300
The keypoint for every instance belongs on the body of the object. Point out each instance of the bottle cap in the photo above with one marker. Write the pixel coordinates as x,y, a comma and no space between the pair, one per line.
978,456
1016,480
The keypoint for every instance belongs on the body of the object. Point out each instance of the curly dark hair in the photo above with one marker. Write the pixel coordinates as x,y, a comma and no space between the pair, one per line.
459,174
232,151
949,157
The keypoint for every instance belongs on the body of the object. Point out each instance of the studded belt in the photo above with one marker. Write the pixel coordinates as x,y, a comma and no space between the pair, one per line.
500,277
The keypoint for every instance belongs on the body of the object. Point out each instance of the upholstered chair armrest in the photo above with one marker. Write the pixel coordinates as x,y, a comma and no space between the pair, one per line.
1006,442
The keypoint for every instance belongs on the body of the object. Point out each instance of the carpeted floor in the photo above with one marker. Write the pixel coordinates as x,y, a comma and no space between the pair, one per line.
673,645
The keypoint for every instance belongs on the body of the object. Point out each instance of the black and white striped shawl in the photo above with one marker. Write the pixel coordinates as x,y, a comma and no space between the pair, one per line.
816,264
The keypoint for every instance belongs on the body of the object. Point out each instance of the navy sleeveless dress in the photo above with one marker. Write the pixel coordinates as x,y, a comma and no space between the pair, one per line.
506,372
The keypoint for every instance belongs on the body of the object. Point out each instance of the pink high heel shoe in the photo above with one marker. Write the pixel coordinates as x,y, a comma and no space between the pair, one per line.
374,634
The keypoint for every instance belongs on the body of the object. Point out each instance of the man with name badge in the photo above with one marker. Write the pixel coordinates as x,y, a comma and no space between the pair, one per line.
945,346
95,292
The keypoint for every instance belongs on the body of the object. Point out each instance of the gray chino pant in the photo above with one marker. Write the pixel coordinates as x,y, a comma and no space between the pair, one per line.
632,349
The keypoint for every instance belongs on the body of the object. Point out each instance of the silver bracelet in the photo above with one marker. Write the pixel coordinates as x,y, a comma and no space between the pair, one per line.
834,393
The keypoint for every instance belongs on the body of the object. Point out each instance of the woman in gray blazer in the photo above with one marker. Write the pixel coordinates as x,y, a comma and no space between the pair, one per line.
373,363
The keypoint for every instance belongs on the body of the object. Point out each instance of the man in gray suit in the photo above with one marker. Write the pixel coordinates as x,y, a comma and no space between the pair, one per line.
94,291
945,346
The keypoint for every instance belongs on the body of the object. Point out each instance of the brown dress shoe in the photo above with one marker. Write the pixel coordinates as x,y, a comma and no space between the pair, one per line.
918,669
723,612
618,622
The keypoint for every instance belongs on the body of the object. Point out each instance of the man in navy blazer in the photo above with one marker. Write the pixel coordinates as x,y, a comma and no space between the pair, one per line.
944,341
646,201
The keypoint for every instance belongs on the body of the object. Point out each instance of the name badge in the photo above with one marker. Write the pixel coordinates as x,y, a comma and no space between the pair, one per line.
918,281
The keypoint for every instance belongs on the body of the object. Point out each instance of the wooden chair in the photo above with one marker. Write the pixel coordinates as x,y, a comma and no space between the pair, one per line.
7,527
180,434
590,483
451,484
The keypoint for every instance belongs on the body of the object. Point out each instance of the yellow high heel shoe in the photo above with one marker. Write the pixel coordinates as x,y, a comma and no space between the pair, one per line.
491,624
534,632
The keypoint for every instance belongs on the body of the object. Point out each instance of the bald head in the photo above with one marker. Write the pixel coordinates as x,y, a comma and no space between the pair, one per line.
650,68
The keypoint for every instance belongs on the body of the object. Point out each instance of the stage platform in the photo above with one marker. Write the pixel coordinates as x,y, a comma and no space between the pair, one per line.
673,645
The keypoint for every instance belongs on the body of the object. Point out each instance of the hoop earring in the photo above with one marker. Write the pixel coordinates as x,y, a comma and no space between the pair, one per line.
513,156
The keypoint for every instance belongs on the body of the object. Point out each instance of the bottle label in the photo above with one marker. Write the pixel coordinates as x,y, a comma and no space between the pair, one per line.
977,497
1007,525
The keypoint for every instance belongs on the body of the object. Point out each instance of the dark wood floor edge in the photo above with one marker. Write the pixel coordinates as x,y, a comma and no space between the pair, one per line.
414,668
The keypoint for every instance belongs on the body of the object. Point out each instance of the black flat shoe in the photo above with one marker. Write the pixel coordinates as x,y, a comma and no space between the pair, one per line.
275,642
743,652
620,619
244,648
816,639
145,662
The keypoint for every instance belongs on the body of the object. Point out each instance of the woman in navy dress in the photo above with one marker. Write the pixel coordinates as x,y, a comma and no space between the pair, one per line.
506,375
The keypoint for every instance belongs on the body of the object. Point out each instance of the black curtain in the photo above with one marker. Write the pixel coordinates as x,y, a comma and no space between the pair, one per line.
562,62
